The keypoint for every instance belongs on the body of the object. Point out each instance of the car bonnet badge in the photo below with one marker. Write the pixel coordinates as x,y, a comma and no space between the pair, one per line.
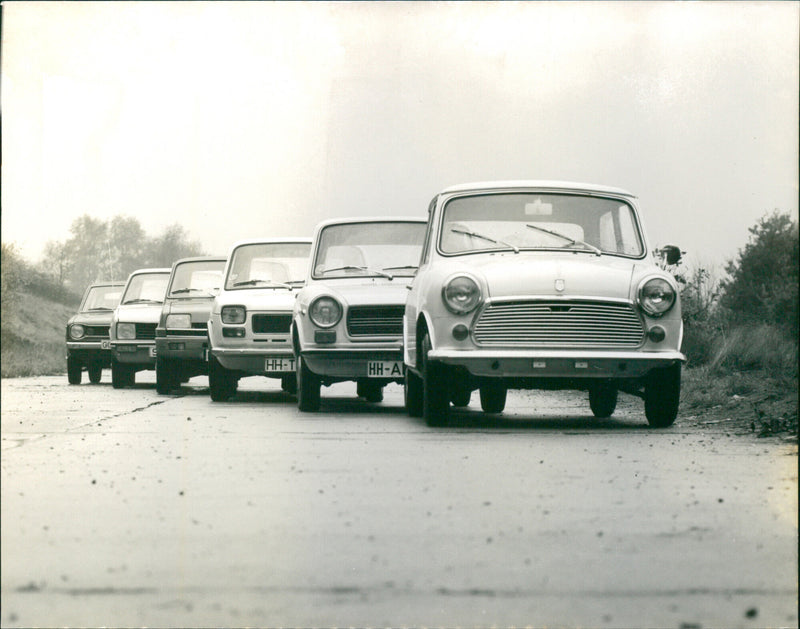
560,285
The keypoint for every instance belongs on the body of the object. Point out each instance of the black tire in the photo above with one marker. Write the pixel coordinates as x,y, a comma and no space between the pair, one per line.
493,397
95,372
221,382
74,370
460,396
308,388
167,377
435,393
412,392
122,375
371,391
289,384
662,393
603,400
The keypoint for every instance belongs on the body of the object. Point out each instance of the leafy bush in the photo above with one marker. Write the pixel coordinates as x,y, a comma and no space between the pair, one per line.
763,282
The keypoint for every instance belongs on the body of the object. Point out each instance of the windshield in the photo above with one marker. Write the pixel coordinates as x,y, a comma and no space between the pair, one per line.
518,221
265,265
386,249
198,278
146,288
102,298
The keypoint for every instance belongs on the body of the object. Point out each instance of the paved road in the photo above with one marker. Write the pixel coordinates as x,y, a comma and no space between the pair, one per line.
126,508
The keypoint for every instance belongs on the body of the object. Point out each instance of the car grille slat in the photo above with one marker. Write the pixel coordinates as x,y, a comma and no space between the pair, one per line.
145,331
375,321
271,323
559,324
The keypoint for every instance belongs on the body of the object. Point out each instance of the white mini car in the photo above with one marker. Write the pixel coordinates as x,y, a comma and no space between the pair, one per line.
348,320
133,326
251,317
529,284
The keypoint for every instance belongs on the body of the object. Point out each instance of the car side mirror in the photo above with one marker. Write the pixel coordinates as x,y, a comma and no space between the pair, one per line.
670,254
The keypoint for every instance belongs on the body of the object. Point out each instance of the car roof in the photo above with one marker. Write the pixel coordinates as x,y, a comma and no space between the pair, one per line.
200,259
159,270
266,240
372,219
570,186
109,283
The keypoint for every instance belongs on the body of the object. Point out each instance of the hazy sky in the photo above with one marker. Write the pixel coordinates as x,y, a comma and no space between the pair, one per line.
241,120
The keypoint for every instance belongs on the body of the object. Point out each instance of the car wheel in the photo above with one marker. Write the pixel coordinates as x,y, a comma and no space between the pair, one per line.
95,372
289,384
370,391
460,396
412,392
493,397
166,377
308,388
74,369
603,400
662,392
122,375
435,394
221,383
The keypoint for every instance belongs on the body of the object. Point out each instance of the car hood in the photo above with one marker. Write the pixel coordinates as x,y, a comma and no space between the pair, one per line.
138,313
92,317
200,309
362,291
257,299
568,275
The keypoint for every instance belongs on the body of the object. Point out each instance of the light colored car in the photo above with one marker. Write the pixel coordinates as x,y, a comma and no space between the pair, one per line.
526,285
182,331
133,325
348,320
250,318
88,345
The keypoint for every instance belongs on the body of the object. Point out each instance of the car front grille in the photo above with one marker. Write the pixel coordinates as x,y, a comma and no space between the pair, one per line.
198,329
375,321
564,324
271,323
95,332
145,331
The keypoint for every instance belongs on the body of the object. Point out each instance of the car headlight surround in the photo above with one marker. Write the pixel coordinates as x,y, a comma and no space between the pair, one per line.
179,321
126,331
461,293
325,312
233,314
76,331
656,296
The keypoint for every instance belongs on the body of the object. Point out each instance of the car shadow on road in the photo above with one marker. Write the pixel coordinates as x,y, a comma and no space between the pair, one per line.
474,419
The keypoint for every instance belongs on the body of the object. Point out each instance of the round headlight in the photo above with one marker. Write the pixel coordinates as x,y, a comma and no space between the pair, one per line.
656,296
325,312
461,294
233,314
126,331
179,321
76,331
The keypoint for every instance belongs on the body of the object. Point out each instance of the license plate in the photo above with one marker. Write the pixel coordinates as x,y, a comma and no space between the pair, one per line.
105,344
272,365
152,352
384,369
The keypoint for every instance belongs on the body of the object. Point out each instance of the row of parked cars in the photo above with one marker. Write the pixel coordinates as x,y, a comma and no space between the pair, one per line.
504,285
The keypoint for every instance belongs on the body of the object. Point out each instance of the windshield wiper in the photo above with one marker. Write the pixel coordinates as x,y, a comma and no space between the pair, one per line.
571,241
400,268
254,282
181,291
101,308
472,234
365,269
142,301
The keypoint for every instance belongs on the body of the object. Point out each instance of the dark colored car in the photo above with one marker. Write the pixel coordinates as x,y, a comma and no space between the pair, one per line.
87,332
182,332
